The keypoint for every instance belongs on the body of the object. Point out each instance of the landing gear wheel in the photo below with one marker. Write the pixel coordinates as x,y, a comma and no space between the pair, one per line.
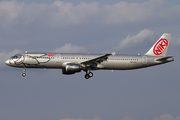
90,74
24,74
87,76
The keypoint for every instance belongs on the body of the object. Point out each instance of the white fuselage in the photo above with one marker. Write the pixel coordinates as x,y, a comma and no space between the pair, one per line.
73,63
59,61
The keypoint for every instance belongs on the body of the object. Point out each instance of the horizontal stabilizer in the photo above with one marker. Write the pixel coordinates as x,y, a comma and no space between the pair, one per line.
165,59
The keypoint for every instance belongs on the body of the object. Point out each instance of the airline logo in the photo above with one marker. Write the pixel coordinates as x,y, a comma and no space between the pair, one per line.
160,46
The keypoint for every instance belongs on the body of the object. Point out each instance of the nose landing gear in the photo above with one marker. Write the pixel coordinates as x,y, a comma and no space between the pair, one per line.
24,72
88,75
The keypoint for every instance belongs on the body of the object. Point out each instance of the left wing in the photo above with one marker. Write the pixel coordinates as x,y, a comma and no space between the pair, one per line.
94,62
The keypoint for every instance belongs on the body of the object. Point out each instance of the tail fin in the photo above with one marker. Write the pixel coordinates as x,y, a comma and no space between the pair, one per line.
161,46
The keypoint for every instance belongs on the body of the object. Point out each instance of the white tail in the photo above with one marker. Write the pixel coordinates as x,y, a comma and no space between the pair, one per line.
161,46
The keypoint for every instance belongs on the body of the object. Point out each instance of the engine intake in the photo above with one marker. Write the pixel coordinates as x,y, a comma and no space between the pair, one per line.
71,68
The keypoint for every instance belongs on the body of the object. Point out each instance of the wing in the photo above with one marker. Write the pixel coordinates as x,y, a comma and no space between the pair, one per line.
94,62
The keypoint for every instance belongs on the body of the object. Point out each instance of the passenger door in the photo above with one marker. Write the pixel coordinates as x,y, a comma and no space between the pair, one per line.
58,58
144,59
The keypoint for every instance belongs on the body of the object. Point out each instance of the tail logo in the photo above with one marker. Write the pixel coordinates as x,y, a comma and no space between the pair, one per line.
160,46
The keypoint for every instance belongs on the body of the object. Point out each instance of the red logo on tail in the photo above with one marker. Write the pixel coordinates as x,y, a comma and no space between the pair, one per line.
160,46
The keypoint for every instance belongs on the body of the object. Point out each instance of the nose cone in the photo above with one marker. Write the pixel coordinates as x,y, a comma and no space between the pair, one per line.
7,62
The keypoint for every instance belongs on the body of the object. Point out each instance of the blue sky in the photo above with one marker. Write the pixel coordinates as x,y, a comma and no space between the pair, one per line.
126,27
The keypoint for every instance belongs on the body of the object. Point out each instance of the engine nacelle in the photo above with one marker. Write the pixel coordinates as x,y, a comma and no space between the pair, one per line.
71,68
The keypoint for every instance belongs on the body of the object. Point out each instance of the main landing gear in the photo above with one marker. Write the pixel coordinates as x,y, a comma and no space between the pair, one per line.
24,72
88,75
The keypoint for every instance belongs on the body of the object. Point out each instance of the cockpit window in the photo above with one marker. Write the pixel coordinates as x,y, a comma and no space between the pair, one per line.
16,57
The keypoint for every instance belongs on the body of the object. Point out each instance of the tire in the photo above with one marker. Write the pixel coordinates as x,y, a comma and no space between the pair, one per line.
24,74
90,74
87,76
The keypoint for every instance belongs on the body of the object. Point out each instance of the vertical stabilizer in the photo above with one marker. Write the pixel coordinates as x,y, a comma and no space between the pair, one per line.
161,46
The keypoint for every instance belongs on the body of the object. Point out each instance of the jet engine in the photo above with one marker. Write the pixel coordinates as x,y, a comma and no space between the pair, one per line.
71,68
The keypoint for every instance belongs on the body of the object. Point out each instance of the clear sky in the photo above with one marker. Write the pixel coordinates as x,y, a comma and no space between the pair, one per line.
83,26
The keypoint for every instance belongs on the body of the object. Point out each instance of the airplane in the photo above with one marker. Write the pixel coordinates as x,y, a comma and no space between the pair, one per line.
72,63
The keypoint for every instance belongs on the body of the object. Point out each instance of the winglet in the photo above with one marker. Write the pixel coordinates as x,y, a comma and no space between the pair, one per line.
113,53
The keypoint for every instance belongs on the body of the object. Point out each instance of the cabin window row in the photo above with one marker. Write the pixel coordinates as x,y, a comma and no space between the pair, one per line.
123,59
40,57
74,58
91,58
